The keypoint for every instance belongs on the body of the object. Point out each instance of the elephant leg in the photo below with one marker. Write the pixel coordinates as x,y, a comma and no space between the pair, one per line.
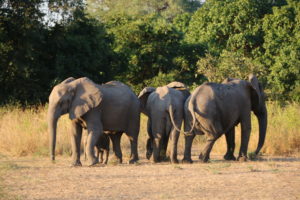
188,139
84,145
245,135
100,155
97,152
156,149
230,140
134,152
116,140
149,148
204,156
93,137
106,155
76,134
133,133
174,139
164,147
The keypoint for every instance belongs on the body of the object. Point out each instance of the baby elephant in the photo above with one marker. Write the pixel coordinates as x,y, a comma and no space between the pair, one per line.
102,147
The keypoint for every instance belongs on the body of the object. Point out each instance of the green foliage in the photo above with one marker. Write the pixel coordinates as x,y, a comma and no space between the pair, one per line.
82,48
20,29
168,9
243,36
282,50
181,22
234,25
146,43
35,56
228,64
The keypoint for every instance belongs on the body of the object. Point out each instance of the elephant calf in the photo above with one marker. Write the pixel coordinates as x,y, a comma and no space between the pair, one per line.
102,147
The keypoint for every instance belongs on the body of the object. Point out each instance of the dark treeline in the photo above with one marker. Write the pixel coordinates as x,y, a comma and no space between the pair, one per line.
148,42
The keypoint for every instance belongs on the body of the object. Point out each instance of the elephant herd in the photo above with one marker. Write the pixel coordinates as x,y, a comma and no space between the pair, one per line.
108,110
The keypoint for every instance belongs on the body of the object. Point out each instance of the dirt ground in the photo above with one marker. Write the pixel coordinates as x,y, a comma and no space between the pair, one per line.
38,178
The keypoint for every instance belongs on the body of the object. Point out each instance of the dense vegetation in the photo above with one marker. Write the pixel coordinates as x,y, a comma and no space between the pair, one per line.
148,42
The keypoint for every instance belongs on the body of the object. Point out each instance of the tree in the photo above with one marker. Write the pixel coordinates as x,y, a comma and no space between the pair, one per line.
21,41
234,25
81,48
169,9
147,44
282,50
36,54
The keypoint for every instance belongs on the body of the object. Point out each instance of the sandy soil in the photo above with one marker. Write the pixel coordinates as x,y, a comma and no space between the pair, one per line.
38,178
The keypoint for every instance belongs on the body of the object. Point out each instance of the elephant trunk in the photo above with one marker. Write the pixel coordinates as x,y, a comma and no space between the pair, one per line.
52,125
262,122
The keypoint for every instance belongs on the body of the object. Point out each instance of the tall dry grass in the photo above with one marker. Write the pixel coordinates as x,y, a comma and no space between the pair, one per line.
24,132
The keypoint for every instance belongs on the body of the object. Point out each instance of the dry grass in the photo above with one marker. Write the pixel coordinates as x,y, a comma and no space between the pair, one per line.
24,132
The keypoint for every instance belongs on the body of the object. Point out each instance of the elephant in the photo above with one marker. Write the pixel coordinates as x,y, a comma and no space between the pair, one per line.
102,147
164,108
97,108
214,109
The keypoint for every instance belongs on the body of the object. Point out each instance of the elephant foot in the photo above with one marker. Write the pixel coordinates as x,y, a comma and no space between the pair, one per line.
117,159
229,156
133,161
155,160
187,160
242,158
207,160
93,162
76,163
165,159
148,155
203,158
174,161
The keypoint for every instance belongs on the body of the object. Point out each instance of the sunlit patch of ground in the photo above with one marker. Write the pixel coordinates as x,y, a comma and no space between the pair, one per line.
38,178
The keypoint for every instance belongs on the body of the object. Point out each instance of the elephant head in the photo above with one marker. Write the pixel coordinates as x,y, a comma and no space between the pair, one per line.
258,106
73,96
143,96
180,87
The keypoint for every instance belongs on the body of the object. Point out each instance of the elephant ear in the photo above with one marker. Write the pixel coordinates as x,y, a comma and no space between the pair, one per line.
115,83
180,87
177,85
87,95
227,80
68,80
256,92
143,96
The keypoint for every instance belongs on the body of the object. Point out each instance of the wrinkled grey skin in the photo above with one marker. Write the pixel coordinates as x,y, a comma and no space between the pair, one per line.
164,108
98,108
214,109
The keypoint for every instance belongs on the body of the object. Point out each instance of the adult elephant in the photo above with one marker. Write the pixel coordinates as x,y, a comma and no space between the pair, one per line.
164,108
111,107
214,109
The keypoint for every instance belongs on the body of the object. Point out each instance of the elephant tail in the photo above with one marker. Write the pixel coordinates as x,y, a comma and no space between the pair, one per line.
191,109
188,133
172,118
